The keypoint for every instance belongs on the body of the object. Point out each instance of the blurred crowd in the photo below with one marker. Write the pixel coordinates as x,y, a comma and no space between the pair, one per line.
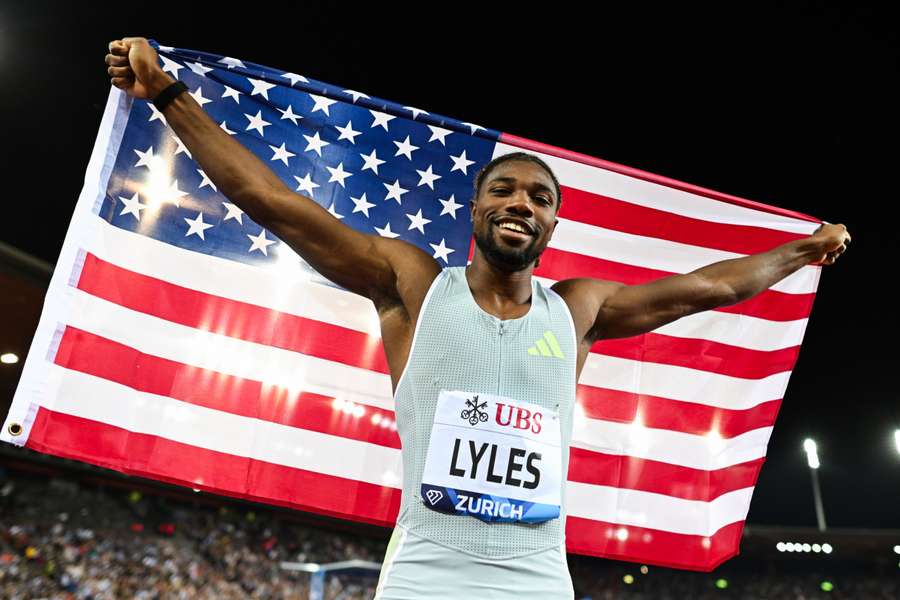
63,539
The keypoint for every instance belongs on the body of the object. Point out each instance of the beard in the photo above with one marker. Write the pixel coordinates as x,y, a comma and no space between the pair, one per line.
506,258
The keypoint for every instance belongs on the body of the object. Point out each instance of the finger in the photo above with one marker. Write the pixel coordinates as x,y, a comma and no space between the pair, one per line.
122,82
118,48
120,72
116,61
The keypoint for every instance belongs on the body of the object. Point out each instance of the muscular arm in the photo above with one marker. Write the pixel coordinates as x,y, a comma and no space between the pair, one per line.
608,309
365,264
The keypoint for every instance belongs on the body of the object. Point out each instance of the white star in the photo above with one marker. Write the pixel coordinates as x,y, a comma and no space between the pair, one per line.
416,111
155,114
282,153
338,174
146,158
473,127
197,226
356,95
315,143
438,133
394,191
289,114
258,123
170,66
362,205
233,94
441,251
198,68
417,221
381,119
166,48
260,87
260,242
306,184
461,162
174,194
198,96
295,78
386,231
181,147
347,132
450,206
206,181
372,162
334,212
405,148
233,213
225,128
427,177
232,62
322,103
133,206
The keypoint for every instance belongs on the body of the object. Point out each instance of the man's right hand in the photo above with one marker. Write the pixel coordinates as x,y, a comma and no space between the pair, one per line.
134,68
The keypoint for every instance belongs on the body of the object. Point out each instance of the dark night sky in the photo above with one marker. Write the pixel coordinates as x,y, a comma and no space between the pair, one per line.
791,105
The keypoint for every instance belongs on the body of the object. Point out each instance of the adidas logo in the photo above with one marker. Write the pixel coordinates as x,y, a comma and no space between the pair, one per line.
546,346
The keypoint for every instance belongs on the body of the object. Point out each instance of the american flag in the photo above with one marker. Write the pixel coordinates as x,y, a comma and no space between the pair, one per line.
183,342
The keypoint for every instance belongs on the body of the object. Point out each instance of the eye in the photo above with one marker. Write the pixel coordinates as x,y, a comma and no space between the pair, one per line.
545,200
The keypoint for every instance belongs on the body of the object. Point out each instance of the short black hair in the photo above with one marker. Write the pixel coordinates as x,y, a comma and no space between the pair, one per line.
486,170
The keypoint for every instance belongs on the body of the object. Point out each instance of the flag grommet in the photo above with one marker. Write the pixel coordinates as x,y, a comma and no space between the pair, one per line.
14,429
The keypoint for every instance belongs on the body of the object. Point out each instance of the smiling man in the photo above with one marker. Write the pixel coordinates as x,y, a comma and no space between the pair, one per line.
483,359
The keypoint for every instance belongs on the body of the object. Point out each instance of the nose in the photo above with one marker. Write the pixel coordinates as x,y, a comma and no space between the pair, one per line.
520,202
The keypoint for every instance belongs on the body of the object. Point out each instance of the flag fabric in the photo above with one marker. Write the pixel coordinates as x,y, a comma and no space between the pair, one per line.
183,342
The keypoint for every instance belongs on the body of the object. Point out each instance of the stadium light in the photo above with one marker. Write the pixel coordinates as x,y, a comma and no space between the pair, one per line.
812,458
826,548
10,359
897,439
897,549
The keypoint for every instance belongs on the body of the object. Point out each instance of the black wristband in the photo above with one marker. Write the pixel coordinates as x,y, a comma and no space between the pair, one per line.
166,96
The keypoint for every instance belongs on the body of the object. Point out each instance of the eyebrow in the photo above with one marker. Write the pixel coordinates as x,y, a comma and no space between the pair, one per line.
508,179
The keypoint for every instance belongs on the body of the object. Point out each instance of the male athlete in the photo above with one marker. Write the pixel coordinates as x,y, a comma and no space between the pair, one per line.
484,418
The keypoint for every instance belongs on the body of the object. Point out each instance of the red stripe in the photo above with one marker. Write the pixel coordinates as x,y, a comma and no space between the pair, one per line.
652,546
232,318
182,464
769,304
674,415
705,355
88,353
619,215
613,470
525,143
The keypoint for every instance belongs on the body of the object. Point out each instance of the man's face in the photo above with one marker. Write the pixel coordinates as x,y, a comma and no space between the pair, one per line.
517,193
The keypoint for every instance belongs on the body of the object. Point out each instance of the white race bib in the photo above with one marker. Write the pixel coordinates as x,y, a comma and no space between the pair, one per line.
493,458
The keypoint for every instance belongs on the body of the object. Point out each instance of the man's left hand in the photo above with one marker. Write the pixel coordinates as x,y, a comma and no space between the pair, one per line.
832,241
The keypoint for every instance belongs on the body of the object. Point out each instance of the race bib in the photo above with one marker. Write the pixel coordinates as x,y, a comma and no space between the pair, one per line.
493,458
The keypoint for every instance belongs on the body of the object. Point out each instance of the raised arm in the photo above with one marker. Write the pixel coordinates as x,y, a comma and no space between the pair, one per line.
608,309
368,265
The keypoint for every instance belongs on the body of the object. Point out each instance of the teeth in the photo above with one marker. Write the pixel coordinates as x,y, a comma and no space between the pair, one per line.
514,227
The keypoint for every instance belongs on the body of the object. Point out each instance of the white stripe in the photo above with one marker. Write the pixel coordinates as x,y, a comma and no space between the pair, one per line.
659,254
660,197
730,328
259,362
286,290
706,452
294,293
657,511
296,371
90,397
681,383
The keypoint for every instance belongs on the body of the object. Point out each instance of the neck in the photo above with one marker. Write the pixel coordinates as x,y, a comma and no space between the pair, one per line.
497,289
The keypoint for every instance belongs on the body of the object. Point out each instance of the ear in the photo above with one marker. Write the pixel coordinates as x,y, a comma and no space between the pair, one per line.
472,211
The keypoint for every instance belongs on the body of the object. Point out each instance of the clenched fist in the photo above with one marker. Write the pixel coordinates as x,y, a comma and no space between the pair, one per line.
134,68
833,240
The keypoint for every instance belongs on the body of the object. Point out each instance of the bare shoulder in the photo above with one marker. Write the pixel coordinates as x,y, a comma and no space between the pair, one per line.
414,271
584,297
